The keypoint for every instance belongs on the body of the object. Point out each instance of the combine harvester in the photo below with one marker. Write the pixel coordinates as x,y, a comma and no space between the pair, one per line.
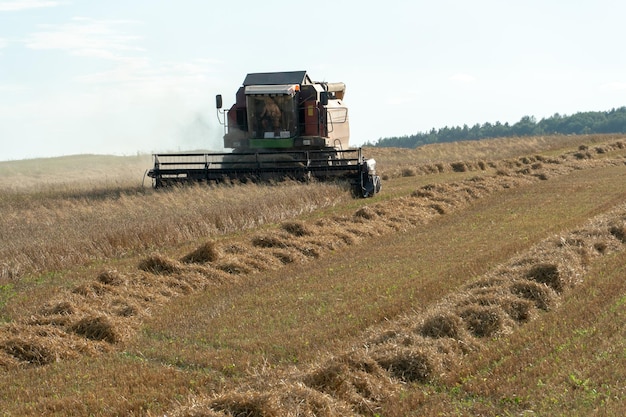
282,125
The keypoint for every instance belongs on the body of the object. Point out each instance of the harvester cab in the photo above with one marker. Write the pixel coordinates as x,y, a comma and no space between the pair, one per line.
286,110
282,125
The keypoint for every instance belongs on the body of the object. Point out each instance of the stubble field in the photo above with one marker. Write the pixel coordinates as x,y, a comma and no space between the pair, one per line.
486,279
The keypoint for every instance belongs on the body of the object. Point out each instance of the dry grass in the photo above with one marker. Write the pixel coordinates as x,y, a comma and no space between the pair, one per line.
205,253
56,232
476,156
370,307
74,174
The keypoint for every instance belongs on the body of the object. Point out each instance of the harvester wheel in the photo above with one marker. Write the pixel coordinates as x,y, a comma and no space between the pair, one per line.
371,186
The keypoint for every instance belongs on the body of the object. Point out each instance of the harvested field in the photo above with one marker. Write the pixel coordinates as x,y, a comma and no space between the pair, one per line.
408,304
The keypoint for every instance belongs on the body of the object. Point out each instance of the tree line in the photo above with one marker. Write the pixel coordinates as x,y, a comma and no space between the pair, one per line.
612,121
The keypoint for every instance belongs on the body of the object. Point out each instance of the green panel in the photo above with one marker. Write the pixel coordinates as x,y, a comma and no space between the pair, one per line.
271,143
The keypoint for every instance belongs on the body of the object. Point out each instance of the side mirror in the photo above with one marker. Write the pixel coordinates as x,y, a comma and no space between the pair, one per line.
218,101
324,98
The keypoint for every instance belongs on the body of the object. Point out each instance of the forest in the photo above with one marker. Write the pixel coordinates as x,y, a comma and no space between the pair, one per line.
592,122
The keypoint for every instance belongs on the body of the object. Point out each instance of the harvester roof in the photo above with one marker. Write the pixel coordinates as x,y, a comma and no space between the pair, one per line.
276,78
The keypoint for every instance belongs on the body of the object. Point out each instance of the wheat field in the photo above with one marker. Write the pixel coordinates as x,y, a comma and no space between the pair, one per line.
483,280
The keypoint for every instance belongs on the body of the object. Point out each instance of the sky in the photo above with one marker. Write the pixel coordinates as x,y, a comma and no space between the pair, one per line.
140,76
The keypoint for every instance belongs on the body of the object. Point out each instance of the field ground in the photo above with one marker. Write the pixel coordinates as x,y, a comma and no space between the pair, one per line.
486,279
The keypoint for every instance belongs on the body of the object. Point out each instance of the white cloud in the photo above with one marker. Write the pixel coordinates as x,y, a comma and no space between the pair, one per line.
127,101
102,39
10,88
614,86
141,74
133,72
400,100
19,5
112,40
463,78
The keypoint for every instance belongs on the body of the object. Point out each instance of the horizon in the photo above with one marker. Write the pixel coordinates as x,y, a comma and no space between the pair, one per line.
373,144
